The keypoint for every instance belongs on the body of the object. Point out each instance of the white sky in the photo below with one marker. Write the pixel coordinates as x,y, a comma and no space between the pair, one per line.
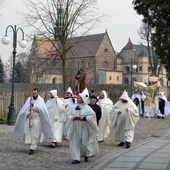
122,23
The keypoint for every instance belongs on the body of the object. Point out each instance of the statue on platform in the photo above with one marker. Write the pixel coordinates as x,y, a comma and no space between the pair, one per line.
80,77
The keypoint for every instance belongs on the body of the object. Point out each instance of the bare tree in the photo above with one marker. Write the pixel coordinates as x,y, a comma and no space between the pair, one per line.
58,20
2,2
145,33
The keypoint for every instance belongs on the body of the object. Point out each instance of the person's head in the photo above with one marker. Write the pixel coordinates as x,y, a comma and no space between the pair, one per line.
124,97
53,94
79,99
101,96
136,91
69,94
93,100
35,93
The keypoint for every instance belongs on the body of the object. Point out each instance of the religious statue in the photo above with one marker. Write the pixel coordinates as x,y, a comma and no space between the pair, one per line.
80,77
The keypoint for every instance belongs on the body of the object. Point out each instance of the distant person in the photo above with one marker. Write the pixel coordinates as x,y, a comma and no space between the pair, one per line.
156,103
124,117
106,105
32,117
148,106
162,102
142,108
136,98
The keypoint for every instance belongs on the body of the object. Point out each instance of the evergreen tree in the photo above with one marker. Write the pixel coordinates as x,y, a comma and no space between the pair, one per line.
18,73
2,72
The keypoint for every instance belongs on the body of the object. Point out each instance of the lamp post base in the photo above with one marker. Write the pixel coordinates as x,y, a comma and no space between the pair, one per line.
10,119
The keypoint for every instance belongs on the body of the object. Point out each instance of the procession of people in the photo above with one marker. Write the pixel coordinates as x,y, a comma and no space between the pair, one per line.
85,119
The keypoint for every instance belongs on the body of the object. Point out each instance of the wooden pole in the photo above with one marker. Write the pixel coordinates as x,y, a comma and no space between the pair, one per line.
31,88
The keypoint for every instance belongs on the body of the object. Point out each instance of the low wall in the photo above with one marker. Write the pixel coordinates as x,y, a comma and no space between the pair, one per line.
22,91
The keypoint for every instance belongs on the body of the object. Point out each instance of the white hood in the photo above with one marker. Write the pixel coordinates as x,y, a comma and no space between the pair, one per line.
69,90
54,93
124,96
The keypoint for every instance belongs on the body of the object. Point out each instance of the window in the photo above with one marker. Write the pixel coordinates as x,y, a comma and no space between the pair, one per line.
110,78
140,68
88,64
117,78
54,80
105,65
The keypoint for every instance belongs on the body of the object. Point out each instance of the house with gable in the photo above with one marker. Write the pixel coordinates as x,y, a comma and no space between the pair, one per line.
132,54
92,53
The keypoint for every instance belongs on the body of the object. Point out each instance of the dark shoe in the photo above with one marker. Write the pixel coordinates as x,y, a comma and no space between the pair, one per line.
53,144
127,145
86,159
162,117
121,144
101,141
31,152
75,162
158,117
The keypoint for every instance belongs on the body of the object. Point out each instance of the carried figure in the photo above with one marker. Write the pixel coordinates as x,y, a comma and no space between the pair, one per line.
80,77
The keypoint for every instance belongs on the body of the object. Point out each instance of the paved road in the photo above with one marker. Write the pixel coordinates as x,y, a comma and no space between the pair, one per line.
151,154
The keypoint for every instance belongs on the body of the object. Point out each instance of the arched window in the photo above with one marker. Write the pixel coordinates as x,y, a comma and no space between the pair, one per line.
54,80
105,65
126,81
127,69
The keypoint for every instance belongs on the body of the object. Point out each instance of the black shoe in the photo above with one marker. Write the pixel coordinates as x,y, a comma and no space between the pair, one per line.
121,144
158,117
31,152
86,159
75,162
101,141
127,145
162,117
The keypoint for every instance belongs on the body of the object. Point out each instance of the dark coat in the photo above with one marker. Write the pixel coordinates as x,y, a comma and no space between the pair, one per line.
97,109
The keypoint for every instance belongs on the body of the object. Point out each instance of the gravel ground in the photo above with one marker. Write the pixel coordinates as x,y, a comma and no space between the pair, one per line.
14,153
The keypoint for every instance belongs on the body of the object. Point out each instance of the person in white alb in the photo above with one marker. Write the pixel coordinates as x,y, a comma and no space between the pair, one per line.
83,130
106,105
69,100
32,119
124,117
56,110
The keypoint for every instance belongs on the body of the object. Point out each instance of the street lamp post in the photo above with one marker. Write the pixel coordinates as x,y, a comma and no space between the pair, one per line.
23,44
132,67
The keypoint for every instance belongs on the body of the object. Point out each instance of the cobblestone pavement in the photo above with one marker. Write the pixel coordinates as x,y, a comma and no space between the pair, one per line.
14,153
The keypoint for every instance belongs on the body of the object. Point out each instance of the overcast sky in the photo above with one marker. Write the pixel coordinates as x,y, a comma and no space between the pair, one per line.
122,23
